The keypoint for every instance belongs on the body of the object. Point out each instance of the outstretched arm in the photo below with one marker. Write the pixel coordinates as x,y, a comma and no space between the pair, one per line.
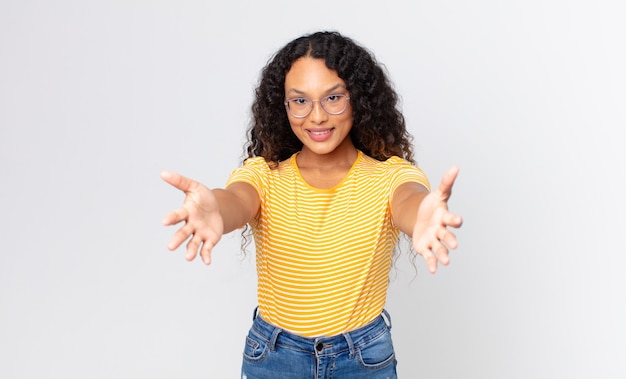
426,219
208,214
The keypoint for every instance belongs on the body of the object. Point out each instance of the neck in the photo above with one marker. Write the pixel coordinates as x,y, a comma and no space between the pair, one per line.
343,156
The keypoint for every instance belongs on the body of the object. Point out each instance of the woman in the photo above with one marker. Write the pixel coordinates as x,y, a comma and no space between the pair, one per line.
328,186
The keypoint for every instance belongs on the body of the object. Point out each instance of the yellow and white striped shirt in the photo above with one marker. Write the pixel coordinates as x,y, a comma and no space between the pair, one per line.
324,255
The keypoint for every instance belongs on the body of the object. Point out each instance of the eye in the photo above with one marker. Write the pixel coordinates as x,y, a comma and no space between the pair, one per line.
300,101
333,98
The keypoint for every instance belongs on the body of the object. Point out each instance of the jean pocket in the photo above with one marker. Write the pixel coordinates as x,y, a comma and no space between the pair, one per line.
377,353
255,348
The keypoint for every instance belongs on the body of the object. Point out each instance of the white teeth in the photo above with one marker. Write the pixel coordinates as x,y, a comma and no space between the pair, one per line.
320,133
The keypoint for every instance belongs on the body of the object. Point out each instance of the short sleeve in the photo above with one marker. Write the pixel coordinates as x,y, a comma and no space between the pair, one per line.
403,171
254,171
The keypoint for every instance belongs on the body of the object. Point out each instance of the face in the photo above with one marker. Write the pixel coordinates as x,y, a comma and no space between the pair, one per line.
320,132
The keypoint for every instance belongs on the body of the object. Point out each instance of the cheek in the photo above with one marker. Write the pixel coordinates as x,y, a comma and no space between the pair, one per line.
348,112
295,123
346,119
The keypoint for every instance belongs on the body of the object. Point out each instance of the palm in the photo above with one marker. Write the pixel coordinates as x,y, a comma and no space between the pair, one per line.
203,223
431,236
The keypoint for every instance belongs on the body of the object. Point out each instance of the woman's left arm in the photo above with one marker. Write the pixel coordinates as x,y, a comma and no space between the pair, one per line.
424,216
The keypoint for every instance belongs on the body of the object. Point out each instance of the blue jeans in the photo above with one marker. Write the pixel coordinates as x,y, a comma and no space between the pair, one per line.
272,353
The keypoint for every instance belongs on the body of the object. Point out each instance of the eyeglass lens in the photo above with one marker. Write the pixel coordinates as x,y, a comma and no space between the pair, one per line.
332,104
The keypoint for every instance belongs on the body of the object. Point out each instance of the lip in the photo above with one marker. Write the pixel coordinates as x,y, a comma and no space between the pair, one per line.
320,135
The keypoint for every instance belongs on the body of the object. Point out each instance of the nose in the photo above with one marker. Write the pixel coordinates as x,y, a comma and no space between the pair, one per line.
318,114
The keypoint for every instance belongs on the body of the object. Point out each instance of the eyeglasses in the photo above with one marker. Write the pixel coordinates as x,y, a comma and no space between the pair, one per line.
300,107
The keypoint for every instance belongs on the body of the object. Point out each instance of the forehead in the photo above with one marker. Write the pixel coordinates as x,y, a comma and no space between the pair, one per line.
310,75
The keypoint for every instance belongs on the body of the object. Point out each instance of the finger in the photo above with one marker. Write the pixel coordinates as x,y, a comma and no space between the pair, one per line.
176,216
448,238
448,179
192,248
452,220
180,236
441,251
205,253
429,257
431,260
182,183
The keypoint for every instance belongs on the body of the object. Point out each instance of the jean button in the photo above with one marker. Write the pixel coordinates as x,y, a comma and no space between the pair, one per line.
319,346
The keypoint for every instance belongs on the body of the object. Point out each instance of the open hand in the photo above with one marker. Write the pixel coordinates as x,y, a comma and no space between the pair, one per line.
431,236
203,222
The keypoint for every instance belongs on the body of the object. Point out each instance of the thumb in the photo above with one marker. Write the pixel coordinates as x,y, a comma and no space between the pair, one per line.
182,183
448,179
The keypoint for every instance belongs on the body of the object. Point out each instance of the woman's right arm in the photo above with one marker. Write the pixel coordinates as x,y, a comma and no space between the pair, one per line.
208,214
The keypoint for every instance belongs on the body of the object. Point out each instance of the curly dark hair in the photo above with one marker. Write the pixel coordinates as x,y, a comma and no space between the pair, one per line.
378,129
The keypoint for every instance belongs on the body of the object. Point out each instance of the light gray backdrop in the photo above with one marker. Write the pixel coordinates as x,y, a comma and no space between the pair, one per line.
97,97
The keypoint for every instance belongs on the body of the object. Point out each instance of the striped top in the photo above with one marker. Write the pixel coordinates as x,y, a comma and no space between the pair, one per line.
323,255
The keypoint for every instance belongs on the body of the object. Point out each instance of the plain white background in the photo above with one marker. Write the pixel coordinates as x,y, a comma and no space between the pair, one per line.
97,97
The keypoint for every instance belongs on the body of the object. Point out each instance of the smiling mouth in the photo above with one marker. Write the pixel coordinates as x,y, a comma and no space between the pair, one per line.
320,133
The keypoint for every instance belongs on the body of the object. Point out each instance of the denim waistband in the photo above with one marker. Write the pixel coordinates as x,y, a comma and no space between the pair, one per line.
320,346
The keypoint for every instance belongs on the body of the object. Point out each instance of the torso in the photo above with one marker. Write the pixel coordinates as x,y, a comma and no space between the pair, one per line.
323,254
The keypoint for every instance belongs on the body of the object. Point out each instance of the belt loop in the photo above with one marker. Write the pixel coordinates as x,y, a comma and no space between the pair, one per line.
387,318
350,344
273,338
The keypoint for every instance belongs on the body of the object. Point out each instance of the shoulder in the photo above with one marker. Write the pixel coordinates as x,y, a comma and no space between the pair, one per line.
258,163
392,163
261,169
395,169
253,171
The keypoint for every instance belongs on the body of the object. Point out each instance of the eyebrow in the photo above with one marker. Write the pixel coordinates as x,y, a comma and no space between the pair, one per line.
331,89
